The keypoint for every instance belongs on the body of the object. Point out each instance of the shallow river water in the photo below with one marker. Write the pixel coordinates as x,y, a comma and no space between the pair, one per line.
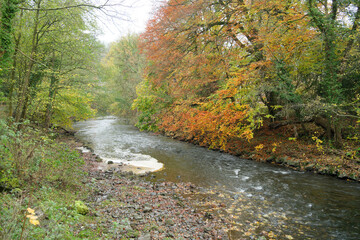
260,197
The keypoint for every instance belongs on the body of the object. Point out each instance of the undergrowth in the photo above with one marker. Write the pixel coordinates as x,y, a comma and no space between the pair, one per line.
40,180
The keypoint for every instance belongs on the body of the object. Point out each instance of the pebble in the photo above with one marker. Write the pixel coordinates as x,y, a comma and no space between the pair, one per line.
147,209
169,222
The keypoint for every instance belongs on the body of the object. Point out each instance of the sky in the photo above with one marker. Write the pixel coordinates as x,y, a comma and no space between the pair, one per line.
123,17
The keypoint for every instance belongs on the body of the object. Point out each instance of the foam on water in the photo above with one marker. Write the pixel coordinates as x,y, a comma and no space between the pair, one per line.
83,149
137,160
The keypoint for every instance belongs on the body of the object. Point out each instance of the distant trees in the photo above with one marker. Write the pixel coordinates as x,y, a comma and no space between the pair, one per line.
121,71
226,65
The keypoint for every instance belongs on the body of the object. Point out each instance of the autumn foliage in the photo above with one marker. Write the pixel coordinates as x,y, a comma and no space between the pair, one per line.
219,69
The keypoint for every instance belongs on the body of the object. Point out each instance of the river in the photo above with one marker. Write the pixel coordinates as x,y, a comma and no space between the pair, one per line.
259,196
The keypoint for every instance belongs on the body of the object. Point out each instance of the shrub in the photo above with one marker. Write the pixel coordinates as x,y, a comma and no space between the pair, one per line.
28,156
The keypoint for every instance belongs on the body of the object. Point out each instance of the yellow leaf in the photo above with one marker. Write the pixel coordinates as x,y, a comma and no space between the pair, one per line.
31,211
32,217
259,147
34,222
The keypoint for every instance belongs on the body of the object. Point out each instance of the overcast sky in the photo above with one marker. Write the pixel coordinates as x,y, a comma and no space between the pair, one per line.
123,17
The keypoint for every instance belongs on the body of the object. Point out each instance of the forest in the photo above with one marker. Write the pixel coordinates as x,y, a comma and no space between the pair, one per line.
259,79
228,66
273,81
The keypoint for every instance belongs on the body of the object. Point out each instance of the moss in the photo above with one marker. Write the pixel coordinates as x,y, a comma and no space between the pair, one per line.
81,208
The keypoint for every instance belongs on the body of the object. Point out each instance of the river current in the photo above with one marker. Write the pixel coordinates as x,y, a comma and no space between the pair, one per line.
259,196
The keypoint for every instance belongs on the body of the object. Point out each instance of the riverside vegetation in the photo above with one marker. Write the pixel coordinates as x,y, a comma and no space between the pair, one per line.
273,81
40,173
248,78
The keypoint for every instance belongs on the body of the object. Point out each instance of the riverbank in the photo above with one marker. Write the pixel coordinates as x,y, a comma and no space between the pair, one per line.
60,193
305,152
128,206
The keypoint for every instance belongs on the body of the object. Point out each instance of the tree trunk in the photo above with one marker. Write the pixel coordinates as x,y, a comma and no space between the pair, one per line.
325,124
271,102
338,140
13,70
52,94
8,11
24,92
332,132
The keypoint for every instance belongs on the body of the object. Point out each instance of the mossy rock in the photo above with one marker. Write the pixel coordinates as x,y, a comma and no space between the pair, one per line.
81,208
332,171
292,163
281,160
310,167
353,176
342,174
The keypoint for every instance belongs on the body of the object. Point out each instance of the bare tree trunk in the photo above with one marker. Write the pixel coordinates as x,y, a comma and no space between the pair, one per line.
271,102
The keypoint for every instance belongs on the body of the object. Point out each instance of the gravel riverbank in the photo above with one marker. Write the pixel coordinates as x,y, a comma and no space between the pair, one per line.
127,206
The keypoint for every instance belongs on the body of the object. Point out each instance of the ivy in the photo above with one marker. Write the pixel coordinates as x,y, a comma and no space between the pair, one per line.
8,12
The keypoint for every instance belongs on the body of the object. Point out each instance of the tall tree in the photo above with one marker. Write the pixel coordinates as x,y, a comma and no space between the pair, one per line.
337,23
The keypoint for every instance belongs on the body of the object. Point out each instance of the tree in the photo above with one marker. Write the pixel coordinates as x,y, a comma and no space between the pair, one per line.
191,53
8,11
333,32
50,55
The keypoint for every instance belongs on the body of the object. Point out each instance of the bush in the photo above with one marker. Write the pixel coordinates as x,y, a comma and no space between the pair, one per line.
28,156
39,174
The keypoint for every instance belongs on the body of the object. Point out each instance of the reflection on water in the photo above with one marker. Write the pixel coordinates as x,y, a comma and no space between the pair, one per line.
259,196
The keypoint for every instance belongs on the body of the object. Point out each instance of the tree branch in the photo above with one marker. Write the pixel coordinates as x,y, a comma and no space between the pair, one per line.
62,8
75,6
